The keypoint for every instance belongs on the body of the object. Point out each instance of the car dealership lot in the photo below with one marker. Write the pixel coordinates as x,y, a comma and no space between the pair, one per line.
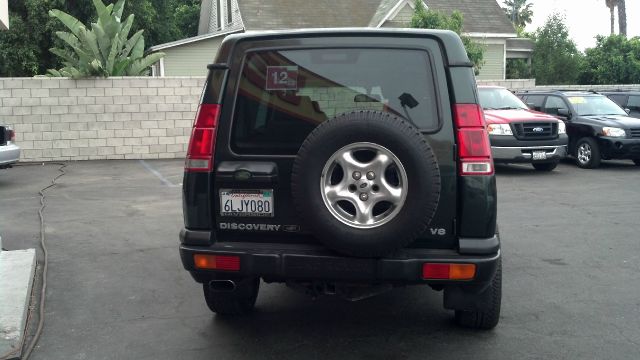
116,288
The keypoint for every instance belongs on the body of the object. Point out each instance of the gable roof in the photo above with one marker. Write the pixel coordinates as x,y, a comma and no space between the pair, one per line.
295,14
480,16
190,40
384,9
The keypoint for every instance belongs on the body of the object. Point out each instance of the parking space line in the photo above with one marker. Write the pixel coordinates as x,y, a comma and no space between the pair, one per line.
155,172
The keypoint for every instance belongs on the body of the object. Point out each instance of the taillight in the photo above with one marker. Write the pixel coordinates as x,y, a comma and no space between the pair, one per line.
12,135
474,150
216,262
203,139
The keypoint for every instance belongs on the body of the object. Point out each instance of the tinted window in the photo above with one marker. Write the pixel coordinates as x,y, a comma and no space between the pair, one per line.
618,99
534,101
634,103
283,95
554,103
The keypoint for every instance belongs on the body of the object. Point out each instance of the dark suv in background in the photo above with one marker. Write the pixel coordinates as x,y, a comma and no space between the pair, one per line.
626,99
343,162
598,128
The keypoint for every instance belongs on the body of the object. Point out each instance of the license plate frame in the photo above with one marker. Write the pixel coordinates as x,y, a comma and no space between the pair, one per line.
256,203
539,155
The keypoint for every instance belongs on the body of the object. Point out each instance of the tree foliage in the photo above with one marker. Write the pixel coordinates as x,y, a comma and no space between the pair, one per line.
104,50
517,69
556,59
431,19
24,48
614,60
519,12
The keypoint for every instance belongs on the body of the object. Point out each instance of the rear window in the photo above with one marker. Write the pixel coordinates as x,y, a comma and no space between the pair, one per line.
283,95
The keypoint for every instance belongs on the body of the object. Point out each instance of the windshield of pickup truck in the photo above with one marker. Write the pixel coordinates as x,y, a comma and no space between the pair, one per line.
499,99
595,105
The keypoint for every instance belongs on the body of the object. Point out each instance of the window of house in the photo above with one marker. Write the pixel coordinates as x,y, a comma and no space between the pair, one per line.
229,12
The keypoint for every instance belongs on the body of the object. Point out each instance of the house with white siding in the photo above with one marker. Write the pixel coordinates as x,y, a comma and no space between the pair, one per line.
4,15
484,21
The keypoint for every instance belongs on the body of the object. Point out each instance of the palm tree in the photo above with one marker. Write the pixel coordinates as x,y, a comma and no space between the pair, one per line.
519,12
611,4
622,17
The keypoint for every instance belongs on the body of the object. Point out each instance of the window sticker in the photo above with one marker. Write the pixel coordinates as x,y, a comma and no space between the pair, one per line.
577,100
282,78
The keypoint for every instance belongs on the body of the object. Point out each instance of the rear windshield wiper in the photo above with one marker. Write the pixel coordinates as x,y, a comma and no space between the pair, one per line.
509,108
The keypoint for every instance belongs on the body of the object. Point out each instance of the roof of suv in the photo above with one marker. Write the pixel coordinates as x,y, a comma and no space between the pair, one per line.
455,52
620,91
571,92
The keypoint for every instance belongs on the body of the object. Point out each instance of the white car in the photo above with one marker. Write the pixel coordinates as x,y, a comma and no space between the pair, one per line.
9,151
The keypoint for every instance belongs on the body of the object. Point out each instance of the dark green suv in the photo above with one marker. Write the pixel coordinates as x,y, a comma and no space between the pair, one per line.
343,162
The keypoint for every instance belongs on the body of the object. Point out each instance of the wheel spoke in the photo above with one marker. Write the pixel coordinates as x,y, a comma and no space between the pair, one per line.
380,163
349,163
389,193
364,212
337,193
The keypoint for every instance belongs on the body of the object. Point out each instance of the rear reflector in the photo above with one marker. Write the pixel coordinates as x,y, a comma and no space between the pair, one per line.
474,149
445,271
203,139
217,262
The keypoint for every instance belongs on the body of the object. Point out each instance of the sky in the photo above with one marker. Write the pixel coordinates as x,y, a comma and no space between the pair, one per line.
585,18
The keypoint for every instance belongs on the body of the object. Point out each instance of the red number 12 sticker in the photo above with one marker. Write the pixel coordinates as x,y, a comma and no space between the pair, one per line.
282,78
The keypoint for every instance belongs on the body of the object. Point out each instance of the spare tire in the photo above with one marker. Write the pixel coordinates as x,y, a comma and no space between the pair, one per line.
366,183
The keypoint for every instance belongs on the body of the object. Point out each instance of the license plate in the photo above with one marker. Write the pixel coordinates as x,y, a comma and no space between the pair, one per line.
246,203
539,155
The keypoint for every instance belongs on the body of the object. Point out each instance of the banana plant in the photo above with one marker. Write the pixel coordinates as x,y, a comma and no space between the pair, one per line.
103,50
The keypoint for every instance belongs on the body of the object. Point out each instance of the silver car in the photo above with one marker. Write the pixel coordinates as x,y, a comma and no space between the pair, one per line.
9,151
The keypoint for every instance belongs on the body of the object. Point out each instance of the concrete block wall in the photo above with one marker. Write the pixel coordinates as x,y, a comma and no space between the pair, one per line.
590,87
512,84
90,119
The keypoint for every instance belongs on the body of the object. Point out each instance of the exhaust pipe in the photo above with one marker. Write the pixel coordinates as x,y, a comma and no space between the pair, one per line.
222,285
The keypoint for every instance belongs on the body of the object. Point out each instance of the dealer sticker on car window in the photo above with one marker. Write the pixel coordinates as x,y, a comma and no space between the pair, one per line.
577,100
246,203
282,78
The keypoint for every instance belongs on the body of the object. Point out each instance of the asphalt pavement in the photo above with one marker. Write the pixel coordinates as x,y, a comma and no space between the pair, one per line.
117,290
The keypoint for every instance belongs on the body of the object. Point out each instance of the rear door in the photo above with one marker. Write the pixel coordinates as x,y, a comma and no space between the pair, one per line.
284,89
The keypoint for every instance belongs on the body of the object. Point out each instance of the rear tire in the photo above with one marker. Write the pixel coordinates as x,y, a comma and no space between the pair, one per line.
548,166
587,153
489,318
238,302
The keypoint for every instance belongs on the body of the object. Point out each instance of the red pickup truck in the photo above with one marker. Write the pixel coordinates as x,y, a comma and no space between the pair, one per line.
521,135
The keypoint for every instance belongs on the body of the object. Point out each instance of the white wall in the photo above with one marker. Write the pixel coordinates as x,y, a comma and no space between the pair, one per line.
91,119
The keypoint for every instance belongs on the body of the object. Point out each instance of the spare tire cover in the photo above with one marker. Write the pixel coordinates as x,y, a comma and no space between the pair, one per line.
366,183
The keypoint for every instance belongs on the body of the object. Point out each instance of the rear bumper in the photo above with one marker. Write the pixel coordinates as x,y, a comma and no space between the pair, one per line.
9,154
507,149
282,262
